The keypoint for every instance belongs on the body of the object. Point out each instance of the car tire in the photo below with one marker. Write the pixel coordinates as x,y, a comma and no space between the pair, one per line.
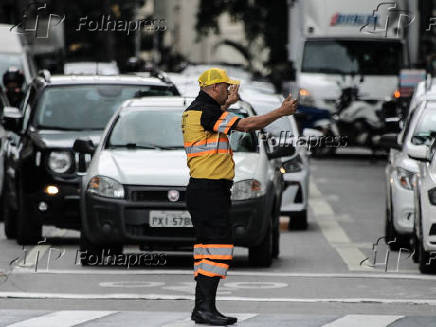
29,231
425,265
276,240
92,254
9,218
261,255
298,221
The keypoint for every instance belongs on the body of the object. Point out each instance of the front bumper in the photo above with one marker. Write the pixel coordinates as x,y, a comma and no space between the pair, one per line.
60,210
121,221
295,193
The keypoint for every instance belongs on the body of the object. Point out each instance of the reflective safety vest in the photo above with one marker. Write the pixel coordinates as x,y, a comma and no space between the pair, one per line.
205,128
206,257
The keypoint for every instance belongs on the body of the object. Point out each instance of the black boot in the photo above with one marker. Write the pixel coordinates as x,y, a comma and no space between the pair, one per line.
215,281
204,311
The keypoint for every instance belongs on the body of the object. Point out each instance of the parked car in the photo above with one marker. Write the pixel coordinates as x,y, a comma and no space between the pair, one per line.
399,173
295,169
134,189
423,149
41,185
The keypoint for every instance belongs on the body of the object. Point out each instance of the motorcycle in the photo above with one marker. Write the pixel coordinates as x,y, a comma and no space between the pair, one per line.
359,120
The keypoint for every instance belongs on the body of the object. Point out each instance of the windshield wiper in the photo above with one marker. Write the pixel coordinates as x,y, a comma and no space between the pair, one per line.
58,128
135,146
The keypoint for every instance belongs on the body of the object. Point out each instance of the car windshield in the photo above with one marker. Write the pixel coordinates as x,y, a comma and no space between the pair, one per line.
425,130
8,60
348,57
87,107
148,129
161,129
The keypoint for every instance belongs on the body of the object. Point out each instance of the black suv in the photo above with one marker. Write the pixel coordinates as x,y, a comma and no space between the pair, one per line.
41,184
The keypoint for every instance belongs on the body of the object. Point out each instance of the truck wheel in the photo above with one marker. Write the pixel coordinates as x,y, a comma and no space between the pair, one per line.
29,231
261,255
298,220
427,264
92,254
10,218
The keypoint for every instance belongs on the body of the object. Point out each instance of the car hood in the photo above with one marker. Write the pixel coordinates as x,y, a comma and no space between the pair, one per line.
160,168
63,139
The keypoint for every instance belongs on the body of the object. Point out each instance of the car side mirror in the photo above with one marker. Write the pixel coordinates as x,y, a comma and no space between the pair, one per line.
281,151
390,141
12,119
419,152
84,146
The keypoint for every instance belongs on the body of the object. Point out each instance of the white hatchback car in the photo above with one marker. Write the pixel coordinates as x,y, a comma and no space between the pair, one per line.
423,150
134,189
399,172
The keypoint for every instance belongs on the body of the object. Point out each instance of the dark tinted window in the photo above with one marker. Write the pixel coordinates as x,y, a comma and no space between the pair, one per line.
346,57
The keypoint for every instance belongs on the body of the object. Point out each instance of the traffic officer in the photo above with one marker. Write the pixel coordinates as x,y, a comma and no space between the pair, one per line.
205,125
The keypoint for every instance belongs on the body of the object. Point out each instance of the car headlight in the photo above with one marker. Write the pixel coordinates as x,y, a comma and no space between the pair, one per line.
405,178
248,189
60,161
306,98
432,196
291,166
105,186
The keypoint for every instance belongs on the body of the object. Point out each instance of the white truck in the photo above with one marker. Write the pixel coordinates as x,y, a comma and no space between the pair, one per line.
367,40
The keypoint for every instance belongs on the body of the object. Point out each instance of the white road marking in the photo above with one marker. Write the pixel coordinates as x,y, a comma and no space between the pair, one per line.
144,272
62,319
188,322
132,296
364,321
333,232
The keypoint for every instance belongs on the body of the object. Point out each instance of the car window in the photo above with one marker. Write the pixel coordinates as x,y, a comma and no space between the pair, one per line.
82,107
243,142
425,130
160,128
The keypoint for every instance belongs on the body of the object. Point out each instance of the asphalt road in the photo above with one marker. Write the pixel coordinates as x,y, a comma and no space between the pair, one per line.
332,274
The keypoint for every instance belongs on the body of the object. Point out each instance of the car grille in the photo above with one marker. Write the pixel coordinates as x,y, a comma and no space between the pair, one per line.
155,194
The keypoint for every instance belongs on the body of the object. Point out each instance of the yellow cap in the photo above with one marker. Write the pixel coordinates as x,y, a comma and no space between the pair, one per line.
213,76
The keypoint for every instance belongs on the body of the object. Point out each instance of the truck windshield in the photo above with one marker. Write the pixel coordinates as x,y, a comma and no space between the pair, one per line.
352,57
87,107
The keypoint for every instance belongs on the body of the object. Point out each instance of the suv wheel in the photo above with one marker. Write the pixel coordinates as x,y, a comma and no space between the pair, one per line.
261,255
92,254
29,231
298,220
9,217
392,238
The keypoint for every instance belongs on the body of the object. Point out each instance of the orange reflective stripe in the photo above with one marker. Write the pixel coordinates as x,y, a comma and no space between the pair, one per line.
213,246
232,121
209,274
219,121
221,139
213,256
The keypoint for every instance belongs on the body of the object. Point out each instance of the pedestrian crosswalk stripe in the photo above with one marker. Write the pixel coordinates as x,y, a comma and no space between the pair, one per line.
364,321
188,322
62,319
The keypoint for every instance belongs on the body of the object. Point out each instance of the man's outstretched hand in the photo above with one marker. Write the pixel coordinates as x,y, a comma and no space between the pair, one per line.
289,106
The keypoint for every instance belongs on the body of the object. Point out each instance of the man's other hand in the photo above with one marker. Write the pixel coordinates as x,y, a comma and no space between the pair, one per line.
233,95
289,106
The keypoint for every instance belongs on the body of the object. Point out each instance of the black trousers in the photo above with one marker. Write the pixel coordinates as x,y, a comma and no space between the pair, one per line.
209,203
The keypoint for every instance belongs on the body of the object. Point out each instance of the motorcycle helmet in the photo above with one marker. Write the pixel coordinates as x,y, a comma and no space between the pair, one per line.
13,74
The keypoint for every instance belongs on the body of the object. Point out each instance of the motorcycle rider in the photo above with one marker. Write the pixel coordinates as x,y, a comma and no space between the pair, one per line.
13,80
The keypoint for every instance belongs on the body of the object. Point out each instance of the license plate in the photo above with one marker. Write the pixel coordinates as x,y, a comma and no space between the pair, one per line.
173,218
